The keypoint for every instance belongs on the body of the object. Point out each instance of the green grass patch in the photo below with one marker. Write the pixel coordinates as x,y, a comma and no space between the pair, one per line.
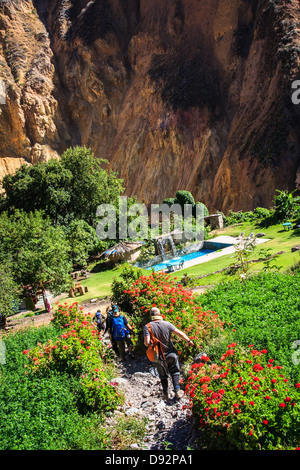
99,283
280,240
263,311
41,413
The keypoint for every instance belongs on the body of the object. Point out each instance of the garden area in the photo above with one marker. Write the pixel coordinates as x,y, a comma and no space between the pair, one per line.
57,383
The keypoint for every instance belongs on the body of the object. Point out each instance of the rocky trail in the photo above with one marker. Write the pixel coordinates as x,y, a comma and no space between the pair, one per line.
170,425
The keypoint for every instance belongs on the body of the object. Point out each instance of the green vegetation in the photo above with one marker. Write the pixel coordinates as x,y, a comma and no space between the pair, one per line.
280,240
37,249
48,217
9,291
246,393
242,401
184,83
56,383
51,388
40,413
66,189
137,293
263,311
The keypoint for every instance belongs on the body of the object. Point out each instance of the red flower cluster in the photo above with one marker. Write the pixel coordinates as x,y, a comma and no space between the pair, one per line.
177,305
243,389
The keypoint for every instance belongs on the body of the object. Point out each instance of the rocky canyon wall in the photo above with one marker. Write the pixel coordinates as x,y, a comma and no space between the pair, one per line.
175,94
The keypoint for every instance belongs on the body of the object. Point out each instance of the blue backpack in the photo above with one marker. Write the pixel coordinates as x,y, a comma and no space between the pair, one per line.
118,328
100,319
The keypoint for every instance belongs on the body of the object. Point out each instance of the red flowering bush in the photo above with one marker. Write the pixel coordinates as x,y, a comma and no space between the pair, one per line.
177,305
245,402
78,351
64,316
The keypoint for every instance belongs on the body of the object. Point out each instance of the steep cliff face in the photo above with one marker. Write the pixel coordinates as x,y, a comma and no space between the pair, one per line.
179,94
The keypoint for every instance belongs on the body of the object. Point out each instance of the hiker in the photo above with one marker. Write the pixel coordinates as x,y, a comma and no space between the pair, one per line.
162,330
121,333
108,328
100,320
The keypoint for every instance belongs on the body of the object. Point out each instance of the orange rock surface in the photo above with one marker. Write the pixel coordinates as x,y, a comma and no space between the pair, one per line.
175,94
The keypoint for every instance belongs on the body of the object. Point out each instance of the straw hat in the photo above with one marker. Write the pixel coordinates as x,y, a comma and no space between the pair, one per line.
155,314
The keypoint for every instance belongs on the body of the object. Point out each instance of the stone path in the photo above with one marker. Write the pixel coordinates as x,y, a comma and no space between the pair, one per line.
168,422
169,426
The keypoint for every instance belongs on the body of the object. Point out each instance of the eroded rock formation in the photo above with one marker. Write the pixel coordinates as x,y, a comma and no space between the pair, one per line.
179,94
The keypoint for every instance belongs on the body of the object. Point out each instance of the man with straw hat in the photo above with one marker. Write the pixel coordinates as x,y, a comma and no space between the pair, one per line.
162,330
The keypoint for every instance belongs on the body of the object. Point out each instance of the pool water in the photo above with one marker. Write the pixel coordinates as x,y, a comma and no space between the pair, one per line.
195,254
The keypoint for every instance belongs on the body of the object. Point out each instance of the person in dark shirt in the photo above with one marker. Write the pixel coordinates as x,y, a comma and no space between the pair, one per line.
121,331
162,330
99,318
108,328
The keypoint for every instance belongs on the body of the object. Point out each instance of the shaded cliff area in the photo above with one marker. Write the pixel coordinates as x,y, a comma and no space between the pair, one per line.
179,94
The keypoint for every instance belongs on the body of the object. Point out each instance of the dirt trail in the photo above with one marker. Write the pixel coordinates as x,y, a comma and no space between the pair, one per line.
170,424
168,421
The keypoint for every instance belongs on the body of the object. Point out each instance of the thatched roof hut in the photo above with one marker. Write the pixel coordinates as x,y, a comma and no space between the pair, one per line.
124,250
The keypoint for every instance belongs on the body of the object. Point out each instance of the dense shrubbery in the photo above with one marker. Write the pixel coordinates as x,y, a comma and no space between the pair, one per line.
245,402
48,218
176,304
259,214
67,189
264,311
286,207
79,352
42,412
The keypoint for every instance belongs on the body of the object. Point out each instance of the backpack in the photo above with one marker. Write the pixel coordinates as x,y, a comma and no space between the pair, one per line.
118,328
154,352
100,319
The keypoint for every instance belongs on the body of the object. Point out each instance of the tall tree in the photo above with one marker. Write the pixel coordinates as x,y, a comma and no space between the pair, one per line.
66,189
38,250
9,292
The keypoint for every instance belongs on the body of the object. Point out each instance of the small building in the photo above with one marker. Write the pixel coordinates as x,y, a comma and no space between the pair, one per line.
215,221
124,251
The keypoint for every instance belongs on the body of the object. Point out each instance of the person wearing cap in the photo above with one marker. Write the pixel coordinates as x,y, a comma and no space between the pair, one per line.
108,328
126,339
100,319
162,330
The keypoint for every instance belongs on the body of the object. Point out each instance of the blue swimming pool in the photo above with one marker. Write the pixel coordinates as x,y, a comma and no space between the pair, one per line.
190,256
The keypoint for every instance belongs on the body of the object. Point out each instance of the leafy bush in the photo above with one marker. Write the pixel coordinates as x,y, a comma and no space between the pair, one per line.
177,305
79,352
263,310
16,342
184,197
244,402
128,275
285,205
83,242
42,413
37,249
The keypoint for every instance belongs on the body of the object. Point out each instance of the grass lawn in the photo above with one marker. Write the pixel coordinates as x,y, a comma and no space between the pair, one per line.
280,240
99,284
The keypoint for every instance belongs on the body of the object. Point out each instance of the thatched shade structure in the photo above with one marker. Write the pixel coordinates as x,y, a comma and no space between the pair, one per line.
124,250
